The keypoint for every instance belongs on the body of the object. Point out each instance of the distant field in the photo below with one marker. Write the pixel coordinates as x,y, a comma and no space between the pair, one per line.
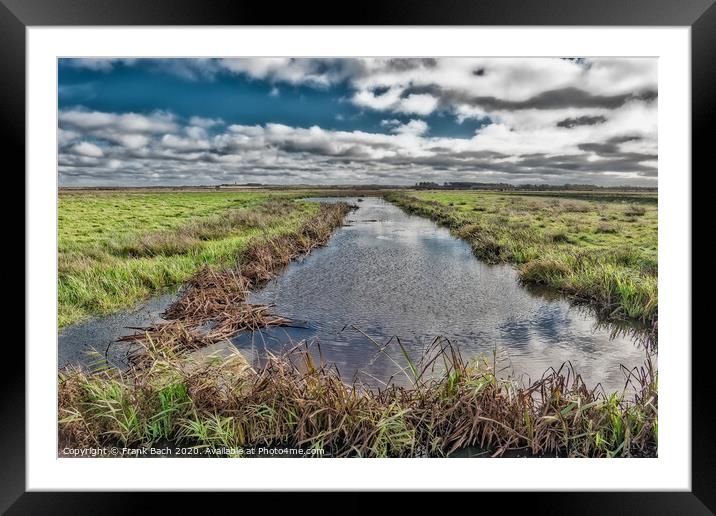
86,219
600,247
117,248
599,196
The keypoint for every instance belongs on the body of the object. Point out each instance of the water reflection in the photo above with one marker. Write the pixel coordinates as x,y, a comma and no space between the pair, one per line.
78,344
390,274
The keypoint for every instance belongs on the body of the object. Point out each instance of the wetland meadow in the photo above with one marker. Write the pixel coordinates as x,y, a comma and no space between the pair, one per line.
410,323
358,257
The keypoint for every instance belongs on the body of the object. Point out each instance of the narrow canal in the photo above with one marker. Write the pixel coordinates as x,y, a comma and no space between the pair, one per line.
389,274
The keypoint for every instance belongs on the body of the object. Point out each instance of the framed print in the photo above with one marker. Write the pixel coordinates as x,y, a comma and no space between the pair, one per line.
423,248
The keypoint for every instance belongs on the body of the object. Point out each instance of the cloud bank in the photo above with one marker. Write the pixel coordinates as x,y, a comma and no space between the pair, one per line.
548,121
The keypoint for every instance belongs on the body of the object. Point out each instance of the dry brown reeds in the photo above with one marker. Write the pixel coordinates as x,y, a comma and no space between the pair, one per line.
293,401
213,306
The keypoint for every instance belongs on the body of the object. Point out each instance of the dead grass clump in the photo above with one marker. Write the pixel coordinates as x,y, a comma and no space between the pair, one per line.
559,236
213,307
544,271
575,206
207,293
604,227
296,402
260,262
634,210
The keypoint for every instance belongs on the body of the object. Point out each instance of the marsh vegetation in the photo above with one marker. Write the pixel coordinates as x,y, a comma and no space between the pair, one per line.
116,249
296,402
602,250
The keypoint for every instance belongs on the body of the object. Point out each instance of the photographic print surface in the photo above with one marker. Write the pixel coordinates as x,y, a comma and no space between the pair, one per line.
377,257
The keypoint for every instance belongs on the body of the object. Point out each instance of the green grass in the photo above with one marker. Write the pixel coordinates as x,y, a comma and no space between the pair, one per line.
87,219
118,248
295,402
600,249
115,249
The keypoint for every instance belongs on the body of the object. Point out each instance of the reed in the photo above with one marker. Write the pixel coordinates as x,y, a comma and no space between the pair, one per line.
212,307
116,250
295,401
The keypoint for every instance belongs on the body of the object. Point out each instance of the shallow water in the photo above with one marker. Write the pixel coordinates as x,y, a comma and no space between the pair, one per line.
77,344
388,274
391,274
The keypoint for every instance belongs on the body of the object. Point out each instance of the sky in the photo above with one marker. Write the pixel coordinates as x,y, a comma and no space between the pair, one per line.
396,121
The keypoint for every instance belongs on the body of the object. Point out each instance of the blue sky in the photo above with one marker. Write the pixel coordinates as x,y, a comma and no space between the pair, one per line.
144,87
350,121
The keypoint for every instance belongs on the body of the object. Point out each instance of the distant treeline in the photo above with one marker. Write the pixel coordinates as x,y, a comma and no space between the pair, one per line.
468,185
422,185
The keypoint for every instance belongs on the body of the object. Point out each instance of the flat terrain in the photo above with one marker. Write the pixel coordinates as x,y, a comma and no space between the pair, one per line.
117,248
600,248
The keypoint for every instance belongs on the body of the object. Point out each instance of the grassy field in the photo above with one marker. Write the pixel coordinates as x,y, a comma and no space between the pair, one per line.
115,249
118,248
597,248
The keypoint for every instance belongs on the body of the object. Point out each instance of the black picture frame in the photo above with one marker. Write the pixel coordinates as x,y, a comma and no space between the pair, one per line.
700,15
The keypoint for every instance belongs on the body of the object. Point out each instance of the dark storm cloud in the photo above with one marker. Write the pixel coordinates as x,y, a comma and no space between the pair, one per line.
403,64
627,162
609,147
554,99
581,120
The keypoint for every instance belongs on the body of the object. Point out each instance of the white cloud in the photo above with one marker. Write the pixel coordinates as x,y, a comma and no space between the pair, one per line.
170,141
130,141
551,120
87,149
195,132
129,122
416,127
65,136
205,123
381,102
284,69
418,104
